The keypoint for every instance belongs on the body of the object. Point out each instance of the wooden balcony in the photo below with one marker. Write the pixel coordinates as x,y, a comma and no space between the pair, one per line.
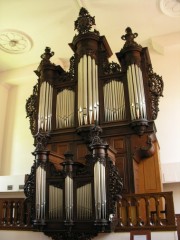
153,211
15,214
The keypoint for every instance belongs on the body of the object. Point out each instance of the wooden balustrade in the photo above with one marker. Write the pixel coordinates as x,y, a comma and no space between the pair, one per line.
154,211
14,214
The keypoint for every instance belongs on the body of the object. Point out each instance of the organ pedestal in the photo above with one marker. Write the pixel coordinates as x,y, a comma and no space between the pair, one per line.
78,174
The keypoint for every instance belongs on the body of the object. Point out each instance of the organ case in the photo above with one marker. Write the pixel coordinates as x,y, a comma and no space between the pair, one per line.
122,98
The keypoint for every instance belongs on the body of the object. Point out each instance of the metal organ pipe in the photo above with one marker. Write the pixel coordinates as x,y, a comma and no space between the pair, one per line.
69,198
84,202
80,114
136,92
55,202
65,109
142,92
90,92
45,106
40,193
100,190
114,103
97,92
88,97
137,110
131,95
85,92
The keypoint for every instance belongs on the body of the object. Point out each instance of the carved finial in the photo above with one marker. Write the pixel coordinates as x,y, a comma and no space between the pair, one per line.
95,132
45,60
84,22
41,140
129,38
48,54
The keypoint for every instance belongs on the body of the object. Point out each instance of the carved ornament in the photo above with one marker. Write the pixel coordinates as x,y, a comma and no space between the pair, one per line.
84,22
156,86
31,109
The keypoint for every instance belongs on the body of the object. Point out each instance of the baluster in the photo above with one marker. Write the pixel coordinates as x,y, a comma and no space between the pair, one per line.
18,215
148,217
4,213
119,213
139,219
157,222
13,207
129,217
9,213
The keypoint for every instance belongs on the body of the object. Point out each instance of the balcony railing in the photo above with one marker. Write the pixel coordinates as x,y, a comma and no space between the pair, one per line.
154,211
15,214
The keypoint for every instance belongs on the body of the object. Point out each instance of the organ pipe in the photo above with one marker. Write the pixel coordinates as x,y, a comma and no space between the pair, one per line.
100,190
114,102
136,93
40,193
84,202
55,202
69,198
45,106
65,109
88,98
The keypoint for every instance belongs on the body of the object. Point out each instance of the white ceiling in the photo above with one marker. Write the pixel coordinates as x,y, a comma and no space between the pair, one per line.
51,23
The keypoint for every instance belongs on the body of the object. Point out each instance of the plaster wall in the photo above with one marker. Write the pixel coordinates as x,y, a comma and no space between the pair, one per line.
15,235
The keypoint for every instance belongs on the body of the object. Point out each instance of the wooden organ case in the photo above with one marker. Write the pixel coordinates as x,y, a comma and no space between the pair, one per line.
78,174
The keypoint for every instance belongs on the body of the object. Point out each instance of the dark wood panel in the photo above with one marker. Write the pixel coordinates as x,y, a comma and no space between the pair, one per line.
178,224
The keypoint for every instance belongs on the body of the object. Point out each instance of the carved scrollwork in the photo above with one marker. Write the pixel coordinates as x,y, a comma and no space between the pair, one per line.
84,22
29,191
54,172
69,75
71,235
146,151
115,186
41,140
111,68
94,135
29,187
31,109
71,72
156,86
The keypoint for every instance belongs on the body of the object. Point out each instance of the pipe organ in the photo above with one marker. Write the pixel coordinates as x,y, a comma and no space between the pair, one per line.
65,108
136,92
45,106
41,193
55,202
78,176
88,99
100,190
114,102
84,202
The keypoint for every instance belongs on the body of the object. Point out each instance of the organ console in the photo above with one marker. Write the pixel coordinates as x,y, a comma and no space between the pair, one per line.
78,176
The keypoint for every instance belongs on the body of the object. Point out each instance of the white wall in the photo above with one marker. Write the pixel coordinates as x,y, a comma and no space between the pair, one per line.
15,235
17,143
167,123
3,106
175,188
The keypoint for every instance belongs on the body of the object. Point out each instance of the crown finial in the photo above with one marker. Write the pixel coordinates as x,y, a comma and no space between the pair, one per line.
84,22
47,54
129,38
